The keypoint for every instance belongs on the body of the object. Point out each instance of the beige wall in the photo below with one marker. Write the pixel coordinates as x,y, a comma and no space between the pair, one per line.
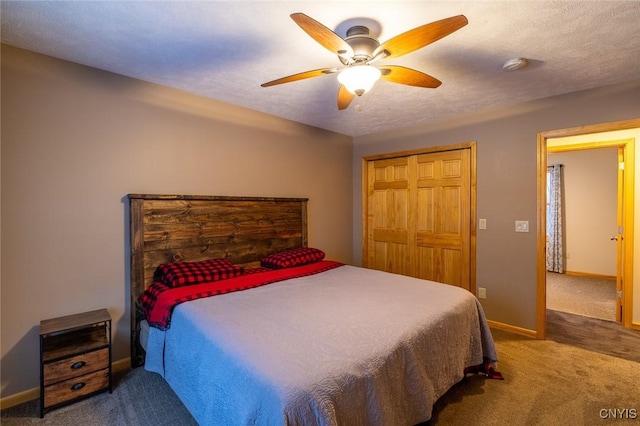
590,179
76,140
507,178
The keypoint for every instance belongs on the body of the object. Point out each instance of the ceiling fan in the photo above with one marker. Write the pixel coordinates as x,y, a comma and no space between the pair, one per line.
359,50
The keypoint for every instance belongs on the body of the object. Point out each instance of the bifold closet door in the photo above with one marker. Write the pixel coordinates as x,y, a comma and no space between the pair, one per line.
418,216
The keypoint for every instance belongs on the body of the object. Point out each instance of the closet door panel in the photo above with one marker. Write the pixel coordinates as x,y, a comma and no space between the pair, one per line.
388,220
426,268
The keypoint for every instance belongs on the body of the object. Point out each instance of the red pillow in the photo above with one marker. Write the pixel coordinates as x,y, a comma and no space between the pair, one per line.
177,274
292,257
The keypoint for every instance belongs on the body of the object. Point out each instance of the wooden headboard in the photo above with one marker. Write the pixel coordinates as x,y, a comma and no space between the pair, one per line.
168,228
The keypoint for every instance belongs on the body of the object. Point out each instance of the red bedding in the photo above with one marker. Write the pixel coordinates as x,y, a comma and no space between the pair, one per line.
159,300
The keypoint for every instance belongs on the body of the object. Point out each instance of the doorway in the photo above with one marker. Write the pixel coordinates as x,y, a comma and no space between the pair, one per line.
600,133
582,223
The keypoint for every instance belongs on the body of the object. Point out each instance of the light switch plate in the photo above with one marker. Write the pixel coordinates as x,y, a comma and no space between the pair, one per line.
482,223
522,226
482,293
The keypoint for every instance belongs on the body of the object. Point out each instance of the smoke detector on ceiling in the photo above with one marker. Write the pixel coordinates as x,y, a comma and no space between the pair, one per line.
514,64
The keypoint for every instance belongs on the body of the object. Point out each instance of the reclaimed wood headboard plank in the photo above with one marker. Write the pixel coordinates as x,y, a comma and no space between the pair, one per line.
169,228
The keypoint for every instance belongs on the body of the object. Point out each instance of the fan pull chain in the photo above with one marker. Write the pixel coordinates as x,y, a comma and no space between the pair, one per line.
359,105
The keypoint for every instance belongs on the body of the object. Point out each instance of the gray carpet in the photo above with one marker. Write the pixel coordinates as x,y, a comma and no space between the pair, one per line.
546,383
587,296
139,398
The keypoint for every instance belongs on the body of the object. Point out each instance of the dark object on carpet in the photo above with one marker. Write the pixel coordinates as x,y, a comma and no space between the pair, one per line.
486,369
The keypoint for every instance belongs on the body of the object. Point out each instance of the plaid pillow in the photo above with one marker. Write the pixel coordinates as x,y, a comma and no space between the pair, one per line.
177,274
292,257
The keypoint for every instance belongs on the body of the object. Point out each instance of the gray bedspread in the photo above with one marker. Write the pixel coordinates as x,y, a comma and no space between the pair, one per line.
350,346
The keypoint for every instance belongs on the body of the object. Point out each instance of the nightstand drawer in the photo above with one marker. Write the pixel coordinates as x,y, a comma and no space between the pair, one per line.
76,366
76,387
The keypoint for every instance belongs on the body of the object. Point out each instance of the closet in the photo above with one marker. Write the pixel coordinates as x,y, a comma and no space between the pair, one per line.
419,214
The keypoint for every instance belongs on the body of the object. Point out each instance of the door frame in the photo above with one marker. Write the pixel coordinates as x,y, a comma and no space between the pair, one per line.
471,146
628,235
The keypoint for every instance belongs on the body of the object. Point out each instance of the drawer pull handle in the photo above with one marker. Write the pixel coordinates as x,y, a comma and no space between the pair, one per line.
78,364
78,386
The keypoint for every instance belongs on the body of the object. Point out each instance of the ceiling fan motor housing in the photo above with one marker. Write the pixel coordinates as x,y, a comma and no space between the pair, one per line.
362,43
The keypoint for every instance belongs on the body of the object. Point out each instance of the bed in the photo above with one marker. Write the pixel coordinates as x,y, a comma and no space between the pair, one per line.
313,342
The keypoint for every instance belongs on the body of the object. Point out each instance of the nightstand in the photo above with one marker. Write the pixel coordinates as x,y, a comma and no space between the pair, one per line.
75,358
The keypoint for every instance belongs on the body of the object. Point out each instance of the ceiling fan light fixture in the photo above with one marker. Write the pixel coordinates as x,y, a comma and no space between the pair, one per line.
359,78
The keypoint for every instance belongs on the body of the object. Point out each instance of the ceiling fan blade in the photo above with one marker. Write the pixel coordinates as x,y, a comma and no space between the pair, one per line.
301,76
408,76
344,98
323,35
421,36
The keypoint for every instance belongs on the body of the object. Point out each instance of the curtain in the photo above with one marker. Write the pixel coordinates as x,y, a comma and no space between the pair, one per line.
555,252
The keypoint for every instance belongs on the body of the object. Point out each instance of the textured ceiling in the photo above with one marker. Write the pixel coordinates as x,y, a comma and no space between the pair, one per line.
225,49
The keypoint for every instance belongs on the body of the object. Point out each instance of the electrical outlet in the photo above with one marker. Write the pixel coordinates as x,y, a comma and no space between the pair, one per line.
522,226
482,293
